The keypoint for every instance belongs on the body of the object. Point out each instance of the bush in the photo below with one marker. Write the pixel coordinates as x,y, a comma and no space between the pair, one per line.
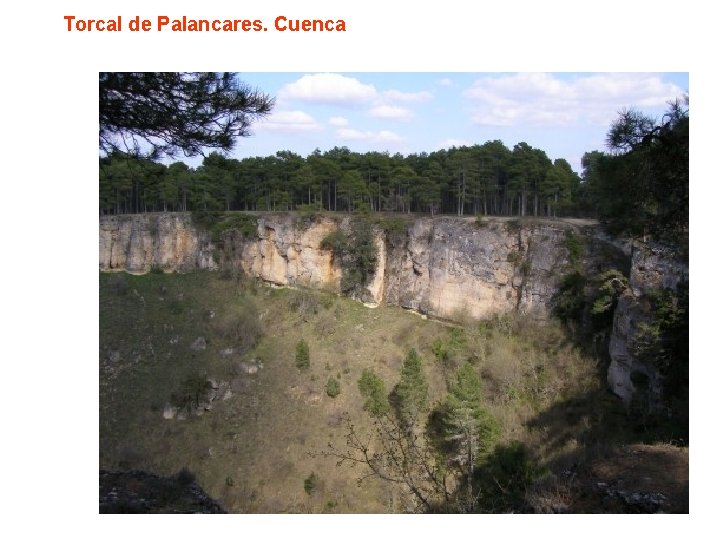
332,388
356,254
302,354
310,483
514,258
193,391
574,245
505,477
240,325
373,390
184,477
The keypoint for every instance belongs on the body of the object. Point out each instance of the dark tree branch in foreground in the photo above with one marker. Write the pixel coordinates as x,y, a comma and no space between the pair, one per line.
397,455
173,112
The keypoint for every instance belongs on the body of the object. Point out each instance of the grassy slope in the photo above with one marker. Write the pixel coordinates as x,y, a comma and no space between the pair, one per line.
252,452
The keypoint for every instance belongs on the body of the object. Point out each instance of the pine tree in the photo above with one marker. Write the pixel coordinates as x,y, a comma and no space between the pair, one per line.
412,391
469,427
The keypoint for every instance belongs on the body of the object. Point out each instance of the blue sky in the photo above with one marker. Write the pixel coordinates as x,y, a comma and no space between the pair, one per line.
564,114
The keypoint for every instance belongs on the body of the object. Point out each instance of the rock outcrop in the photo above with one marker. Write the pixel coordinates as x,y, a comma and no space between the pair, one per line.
455,269
652,268
449,268
140,243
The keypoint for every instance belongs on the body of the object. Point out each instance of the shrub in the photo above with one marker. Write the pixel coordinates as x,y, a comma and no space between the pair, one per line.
356,254
240,325
184,477
513,226
514,258
373,390
310,483
332,388
193,390
505,477
574,245
302,354
244,224
411,393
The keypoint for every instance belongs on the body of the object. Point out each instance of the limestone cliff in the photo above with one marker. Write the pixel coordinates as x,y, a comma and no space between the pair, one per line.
140,243
286,252
443,267
652,268
450,268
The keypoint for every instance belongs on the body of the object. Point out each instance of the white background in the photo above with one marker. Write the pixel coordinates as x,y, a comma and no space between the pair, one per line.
49,218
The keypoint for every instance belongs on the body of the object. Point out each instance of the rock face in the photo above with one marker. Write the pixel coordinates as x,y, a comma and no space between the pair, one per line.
443,267
140,243
286,252
450,268
652,268
453,269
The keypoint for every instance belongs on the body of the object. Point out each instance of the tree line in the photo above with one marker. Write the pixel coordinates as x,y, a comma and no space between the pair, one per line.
488,179
640,186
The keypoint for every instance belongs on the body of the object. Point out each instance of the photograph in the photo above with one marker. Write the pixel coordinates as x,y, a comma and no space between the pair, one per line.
393,292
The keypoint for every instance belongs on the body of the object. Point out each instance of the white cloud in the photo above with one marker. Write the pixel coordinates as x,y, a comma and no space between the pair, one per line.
289,122
546,100
445,82
391,112
329,88
407,97
338,121
382,136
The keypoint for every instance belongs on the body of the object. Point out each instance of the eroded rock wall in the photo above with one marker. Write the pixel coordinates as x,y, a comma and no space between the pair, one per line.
287,252
444,267
139,243
652,268
455,269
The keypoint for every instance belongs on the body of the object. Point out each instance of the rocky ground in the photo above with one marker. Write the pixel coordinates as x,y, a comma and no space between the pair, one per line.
636,478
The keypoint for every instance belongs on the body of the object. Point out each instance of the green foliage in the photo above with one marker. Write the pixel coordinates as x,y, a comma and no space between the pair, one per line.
441,350
332,387
244,224
193,391
663,341
448,350
302,354
586,304
514,258
574,245
395,228
643,188
176,112
570,303
468,425
239,324
513,226
481,222
608,287
310,483
411,393
504,478
372,388
336,241
356,253
205,218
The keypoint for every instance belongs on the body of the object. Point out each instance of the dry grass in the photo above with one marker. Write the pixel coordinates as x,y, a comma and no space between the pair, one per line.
254,450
